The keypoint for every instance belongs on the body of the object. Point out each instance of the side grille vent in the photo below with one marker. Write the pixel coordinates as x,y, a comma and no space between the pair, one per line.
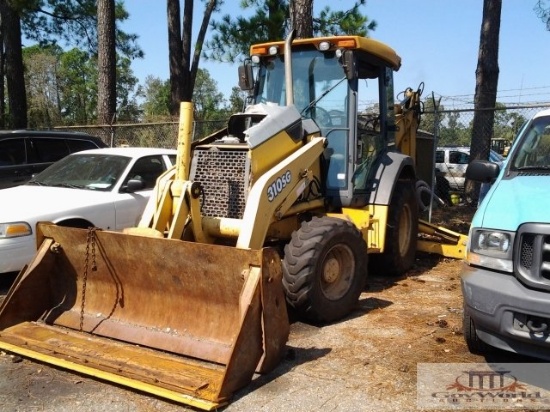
223,175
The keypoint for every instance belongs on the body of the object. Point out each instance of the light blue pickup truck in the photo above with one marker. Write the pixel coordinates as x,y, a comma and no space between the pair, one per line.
506,278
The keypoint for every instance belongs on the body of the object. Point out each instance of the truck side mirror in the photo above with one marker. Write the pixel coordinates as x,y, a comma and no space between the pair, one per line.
482,171
246,78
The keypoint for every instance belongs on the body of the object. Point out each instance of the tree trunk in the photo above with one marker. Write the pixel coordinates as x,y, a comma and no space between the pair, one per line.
106,97
175,53
212,4
17,98
183,71
301,17
486,87
186,47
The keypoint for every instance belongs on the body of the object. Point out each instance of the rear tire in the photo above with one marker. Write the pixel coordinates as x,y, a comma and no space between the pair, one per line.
324,269
401,233
475,345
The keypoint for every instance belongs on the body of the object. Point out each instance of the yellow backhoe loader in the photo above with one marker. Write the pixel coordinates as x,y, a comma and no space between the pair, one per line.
281,209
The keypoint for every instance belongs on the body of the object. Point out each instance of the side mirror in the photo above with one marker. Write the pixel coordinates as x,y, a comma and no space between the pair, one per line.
347,61
246,78
132,186
482,171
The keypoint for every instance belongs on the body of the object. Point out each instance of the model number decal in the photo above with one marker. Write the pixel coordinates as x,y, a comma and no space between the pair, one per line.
278,185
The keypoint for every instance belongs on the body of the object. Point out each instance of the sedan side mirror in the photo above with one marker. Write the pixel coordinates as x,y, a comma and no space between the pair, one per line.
132,186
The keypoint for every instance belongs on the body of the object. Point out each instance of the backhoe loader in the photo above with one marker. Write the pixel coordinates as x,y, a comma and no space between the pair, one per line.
281,209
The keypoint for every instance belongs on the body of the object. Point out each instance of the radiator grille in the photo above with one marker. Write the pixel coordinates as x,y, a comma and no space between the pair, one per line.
533,255
526,253
223,175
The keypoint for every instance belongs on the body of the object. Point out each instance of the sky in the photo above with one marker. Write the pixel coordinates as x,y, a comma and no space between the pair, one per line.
438,42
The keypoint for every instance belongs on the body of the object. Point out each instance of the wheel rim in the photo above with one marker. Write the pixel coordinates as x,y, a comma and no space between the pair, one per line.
337,272
405,228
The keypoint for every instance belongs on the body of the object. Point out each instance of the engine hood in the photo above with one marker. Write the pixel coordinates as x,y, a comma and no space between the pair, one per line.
514,201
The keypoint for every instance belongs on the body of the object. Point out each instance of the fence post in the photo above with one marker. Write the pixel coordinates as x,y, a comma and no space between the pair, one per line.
436,139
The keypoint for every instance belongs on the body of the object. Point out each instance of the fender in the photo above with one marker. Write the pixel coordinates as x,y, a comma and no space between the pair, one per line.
392,166
387,170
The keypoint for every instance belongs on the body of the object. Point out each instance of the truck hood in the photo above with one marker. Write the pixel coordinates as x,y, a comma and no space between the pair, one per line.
511,202
32,203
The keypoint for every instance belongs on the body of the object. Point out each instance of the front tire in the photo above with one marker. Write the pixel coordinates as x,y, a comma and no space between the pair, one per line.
324,269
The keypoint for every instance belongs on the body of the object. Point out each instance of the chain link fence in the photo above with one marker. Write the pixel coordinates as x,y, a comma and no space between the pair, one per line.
454,127
163,135
450,128
454,141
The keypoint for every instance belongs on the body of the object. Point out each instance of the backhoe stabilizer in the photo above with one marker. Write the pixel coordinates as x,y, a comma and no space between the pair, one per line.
440,240
184,321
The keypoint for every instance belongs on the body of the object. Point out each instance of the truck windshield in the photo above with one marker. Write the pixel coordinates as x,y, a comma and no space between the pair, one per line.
319,85
533,151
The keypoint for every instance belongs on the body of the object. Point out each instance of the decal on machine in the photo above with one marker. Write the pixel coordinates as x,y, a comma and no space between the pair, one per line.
278,185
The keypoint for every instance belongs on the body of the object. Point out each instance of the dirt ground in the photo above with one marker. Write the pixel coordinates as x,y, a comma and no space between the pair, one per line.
366,362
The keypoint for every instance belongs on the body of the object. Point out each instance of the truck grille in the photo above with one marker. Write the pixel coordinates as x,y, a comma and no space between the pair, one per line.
533,255
223,175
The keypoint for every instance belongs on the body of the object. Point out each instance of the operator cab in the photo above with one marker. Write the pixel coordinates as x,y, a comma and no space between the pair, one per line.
345,84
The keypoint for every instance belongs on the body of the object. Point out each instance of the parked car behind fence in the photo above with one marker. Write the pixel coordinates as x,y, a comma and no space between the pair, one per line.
24,153
451,163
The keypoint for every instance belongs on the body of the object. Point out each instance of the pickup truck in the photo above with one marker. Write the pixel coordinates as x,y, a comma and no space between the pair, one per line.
506,277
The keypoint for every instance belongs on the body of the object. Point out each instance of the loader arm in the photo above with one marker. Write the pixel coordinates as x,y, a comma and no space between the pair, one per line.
275,191
171,203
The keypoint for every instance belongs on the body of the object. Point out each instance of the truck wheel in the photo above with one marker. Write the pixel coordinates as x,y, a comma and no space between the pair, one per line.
475,345
401,233
324,268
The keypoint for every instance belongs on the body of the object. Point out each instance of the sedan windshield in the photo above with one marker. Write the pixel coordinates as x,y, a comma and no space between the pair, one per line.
84,171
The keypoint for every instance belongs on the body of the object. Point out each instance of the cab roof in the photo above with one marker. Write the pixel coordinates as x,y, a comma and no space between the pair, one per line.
362,44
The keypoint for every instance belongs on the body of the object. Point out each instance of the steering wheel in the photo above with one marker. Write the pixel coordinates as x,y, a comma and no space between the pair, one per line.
322,117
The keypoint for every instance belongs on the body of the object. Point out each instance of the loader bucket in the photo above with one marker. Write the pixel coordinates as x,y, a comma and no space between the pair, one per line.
185,321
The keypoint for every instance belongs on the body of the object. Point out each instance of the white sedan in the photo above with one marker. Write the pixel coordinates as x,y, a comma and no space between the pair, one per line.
105,188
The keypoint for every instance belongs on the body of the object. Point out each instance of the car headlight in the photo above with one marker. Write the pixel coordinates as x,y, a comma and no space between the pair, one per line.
491,248
14,229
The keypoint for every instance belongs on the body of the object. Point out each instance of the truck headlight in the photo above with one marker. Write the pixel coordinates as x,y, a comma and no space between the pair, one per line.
14,229
491,248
